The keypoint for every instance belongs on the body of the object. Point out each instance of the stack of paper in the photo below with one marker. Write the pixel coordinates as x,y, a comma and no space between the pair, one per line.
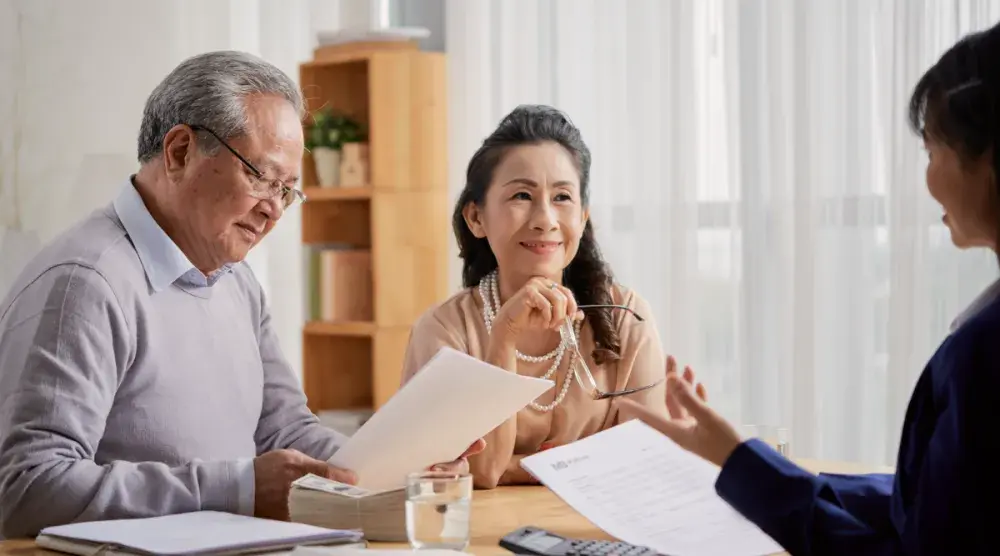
203,533
639,486
381,516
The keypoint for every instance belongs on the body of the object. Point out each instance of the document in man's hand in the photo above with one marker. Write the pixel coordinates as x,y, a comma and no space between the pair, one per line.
641,487
451,402
204,533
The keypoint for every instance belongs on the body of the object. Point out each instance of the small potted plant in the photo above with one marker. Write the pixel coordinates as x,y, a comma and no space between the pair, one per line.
325,138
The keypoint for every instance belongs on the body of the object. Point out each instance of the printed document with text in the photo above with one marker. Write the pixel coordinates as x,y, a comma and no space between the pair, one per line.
641,487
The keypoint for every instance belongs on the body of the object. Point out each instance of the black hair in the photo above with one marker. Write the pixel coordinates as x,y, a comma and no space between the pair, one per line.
587,275
956,101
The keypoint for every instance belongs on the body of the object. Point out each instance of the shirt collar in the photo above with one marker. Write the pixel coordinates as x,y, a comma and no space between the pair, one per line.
163,262
989,295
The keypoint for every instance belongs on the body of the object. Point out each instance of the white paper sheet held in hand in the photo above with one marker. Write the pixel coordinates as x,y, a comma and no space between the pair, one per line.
451,402
639,486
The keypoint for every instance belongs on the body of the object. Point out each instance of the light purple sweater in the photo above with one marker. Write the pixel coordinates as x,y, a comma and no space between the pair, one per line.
118,400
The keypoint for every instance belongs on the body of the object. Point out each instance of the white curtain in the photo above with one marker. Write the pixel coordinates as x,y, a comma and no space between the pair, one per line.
754,178
74,80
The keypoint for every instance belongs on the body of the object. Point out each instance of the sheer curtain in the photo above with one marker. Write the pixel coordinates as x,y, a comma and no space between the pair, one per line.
73,80
754,179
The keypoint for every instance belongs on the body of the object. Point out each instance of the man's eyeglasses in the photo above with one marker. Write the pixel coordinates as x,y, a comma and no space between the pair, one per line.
593,391
262,189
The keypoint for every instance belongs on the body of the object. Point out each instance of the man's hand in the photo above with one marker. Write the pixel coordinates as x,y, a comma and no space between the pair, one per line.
274,473
461,465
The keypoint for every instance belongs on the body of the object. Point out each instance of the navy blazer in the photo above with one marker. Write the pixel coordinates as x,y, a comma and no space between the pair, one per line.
945,494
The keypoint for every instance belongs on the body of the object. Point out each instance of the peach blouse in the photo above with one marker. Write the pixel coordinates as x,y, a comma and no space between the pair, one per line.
458,323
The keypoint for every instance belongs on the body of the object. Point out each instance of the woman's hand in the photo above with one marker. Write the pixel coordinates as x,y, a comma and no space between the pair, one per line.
540,304
675,410
692,424
461,464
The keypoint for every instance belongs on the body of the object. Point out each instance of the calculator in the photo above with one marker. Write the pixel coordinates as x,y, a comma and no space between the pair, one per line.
533,540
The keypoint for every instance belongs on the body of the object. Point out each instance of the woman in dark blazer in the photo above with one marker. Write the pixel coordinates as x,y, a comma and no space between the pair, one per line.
945,493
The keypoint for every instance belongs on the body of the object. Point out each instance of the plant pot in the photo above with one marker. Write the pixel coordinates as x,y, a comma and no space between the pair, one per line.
327,162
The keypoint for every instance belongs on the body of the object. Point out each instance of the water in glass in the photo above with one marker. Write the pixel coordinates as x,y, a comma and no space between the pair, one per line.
778,437
437,510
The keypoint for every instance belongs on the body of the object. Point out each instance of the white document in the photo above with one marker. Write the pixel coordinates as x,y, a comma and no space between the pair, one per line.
451,402
642,488
204,532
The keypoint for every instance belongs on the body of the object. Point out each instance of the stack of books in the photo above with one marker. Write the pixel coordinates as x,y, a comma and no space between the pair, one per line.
380,516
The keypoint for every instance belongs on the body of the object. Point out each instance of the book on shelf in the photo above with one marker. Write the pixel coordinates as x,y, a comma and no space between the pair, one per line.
379,516
340,284
312,284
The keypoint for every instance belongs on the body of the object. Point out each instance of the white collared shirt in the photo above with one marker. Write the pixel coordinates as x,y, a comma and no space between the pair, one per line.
162,260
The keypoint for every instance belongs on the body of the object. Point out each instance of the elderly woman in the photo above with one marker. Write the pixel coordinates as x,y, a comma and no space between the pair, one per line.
535,280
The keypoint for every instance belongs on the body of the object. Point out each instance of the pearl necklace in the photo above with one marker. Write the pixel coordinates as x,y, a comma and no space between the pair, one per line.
489,292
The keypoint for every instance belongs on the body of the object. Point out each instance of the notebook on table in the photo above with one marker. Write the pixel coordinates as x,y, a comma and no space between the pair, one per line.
205,533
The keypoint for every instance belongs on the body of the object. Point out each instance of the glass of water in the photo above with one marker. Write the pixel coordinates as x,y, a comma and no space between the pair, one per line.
438,505
778,438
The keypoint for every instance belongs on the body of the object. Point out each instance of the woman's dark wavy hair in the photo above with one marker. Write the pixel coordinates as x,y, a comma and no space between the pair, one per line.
956,101
587,276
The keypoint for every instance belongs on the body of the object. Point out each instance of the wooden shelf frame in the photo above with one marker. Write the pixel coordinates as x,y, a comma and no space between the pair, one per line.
321,194
398,93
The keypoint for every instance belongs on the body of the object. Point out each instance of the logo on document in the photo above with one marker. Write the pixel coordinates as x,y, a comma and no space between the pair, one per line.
563,464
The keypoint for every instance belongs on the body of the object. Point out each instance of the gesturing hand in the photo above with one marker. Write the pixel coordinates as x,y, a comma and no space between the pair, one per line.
693,425
674,408
274,473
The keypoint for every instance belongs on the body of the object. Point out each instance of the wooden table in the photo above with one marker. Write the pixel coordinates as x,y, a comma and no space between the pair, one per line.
497,512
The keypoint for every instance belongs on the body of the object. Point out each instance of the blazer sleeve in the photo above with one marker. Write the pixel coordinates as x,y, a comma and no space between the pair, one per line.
804,513
948,502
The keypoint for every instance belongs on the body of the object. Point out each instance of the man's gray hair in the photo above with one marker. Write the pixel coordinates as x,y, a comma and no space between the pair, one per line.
209,90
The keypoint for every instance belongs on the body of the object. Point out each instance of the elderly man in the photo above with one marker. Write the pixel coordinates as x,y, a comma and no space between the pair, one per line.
139,369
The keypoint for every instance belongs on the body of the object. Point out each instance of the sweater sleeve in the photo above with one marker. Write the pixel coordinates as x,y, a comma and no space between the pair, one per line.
65,346
285,420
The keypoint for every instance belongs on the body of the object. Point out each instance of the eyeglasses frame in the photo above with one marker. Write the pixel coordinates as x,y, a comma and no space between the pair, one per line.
282,189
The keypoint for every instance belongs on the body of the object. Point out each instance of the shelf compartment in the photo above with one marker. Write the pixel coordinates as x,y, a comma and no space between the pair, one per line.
345,223
337,372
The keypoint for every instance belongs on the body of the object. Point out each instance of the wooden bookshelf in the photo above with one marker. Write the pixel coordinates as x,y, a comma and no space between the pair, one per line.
403,217
317,194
